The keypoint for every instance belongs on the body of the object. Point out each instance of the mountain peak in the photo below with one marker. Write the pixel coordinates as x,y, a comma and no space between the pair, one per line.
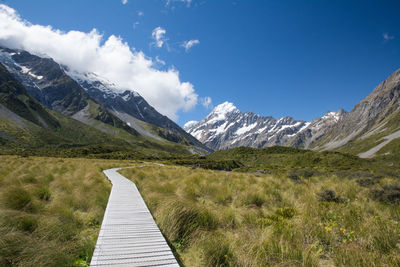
224,108
335,115
189,125
221,111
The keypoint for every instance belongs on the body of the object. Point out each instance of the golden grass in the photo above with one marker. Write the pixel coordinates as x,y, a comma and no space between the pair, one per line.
215,218
51,209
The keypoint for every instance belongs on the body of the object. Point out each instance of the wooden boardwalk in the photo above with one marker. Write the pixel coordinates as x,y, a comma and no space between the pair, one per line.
129,235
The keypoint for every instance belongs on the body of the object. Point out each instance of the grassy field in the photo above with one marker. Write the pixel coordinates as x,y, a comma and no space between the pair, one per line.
280,160
51,209
215,218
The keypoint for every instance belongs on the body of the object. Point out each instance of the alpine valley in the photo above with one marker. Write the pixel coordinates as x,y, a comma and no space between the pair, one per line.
63,103
371,128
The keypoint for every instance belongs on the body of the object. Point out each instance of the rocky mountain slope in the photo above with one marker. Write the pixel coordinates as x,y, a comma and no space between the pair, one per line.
373,124
25,123
27,127
133,109
46,81
226,127
92,100
371,128
316,129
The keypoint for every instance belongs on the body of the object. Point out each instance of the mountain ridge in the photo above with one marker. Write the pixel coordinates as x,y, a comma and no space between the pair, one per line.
29,128
92,99
373,125
227,127
130,106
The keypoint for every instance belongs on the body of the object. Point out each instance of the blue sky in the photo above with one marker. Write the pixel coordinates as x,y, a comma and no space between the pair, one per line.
278,58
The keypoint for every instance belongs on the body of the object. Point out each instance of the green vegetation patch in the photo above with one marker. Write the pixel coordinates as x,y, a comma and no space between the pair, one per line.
51,209
218,218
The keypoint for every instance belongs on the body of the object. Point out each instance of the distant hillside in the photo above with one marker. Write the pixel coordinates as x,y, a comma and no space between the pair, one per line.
93,100
26,126
283,160
280,159
372,127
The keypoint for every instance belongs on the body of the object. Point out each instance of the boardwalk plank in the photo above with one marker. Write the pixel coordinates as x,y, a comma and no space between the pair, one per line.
129,235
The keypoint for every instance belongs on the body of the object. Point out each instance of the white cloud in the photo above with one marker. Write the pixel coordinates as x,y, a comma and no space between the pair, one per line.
135,24
206,102
111,58
140,13
188,44
160,61
188,2
124,2
158,35
387,37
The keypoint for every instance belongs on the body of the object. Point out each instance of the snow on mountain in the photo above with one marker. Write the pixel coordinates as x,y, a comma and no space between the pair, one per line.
189,124
221,112
226,127
91,81
130,106
71,93
332,115
26,74
316,129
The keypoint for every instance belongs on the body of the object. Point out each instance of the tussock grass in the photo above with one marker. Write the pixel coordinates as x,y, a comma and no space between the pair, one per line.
51,209
301,218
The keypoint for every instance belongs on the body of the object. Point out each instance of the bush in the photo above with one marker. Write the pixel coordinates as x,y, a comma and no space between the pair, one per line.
389,194
179,220
286,212
29,179
278,219
330,196
298,175
43,193
224,165
27,223
366,181
216,251
18,220
19,199
254,199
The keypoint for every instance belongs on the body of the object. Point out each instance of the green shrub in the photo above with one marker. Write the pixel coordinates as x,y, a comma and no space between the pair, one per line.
385,236
286,212
179,220
19,199
330,196
18,220
216,251
29,179
256,199
274,252
296,175
27,223
43,193
366,181
388,194
278,218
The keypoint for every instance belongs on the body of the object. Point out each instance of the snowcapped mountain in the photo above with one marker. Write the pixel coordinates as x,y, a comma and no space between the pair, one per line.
131,107
45,80
226,127
91,99
316,129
